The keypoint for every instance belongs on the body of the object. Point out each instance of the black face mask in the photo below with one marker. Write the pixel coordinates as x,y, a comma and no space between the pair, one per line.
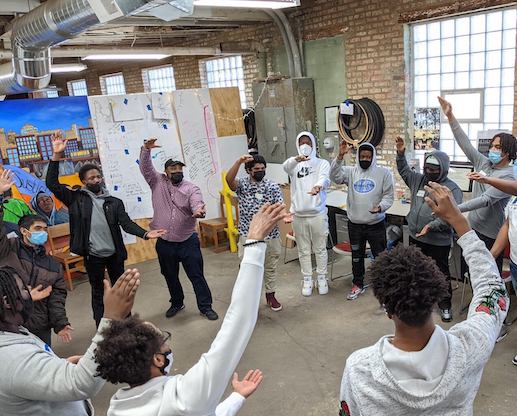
431,176
365,164
258,176
94,187
176,177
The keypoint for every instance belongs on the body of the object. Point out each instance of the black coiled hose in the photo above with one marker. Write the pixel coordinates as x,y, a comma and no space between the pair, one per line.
368,119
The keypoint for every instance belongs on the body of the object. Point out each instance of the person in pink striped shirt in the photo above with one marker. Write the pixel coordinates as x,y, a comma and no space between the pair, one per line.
177,205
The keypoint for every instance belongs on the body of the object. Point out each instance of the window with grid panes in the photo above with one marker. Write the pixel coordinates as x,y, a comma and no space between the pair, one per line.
77,87
474,52
226,72
52,92
159,79
113,84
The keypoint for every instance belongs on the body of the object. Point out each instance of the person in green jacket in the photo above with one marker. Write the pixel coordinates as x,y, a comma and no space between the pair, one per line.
14,208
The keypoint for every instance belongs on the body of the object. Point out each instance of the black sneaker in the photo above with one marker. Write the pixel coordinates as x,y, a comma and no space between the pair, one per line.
446,315
210,314
173,310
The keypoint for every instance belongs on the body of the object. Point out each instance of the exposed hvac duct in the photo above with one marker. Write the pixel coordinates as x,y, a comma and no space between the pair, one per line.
50,24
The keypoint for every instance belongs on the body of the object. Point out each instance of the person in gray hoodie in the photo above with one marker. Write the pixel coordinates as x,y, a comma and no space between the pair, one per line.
370,195
423,369
35,381
430,234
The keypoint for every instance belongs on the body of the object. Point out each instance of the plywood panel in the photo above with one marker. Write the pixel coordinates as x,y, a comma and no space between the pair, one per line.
143,249
226,105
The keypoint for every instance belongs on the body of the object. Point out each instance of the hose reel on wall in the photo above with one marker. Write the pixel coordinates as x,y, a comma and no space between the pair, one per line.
366,124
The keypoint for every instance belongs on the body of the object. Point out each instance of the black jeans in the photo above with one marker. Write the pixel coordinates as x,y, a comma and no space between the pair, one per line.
489,242
359,234
95,267
188,253
440,254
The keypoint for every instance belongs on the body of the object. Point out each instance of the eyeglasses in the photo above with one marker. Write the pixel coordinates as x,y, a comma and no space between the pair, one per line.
166,336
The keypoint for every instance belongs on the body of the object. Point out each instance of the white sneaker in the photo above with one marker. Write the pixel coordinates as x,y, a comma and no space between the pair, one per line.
323,287
307,286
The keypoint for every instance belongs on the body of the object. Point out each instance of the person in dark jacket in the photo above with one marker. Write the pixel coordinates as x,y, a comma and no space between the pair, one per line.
95,221
432,235
27,256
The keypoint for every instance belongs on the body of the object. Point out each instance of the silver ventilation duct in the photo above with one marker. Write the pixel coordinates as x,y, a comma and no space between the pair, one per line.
50,24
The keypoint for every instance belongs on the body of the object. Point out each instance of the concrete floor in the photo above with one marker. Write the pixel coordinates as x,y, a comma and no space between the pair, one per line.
301,350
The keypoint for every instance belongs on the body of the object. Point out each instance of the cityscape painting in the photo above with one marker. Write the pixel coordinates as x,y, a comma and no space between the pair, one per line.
27,127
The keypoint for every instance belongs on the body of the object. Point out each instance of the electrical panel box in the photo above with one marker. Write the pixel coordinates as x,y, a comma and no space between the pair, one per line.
283,108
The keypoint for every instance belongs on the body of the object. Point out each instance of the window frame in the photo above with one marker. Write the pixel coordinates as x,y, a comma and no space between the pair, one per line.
147,81
218,78
71,90
104,85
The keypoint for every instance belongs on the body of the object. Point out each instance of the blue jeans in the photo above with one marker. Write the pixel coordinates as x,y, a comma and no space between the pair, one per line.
513,272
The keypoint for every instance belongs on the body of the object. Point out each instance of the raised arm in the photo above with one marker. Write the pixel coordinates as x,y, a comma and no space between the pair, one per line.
508,186
291,163
490,197
338,173
501,241
409,177
6,181
61,192
56,304
324,176
476,158
234,170
146,164
201,388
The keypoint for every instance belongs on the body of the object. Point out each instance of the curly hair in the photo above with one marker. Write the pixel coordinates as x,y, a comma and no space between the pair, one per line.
125,355
407,283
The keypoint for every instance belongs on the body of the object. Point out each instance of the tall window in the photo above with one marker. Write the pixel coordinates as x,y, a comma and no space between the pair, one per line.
474,54
77,87
113,84
159,79
226,72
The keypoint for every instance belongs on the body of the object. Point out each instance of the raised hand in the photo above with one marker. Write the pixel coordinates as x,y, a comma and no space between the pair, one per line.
150,144
446,107
6,180
58,144
400,145
344,148
119,299
265,219
245,158
200,213
249,383
423,231
478,177
155,234
65,334
38,293
315,190
442,202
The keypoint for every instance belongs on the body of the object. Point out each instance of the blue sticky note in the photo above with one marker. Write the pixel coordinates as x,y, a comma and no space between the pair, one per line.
137,162
165,126
125,101
115,187
126,151
139,199
149,107
123,129
161,93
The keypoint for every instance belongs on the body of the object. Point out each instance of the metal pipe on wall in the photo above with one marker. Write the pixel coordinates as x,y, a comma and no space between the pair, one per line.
298,72
287,45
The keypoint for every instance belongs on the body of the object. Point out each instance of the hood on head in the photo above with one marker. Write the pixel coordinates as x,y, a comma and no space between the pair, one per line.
444,162
366,146
37,209
313,141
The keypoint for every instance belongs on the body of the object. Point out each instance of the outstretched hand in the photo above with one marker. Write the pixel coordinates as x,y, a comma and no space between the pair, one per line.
265,219
249,383
426,228
38,293
200,213
478,177
119,298
301,158
65,334
155,234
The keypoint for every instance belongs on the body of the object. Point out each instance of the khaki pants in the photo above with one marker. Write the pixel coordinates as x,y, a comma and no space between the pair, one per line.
270,263
311,235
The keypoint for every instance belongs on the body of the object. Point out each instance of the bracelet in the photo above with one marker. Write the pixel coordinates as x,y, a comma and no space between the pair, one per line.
251,243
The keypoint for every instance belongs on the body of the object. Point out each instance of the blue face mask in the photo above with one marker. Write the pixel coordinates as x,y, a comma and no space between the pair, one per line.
38,238
495,157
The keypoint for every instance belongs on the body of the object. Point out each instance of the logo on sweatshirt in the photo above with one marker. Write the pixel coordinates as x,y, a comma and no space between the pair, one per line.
364,185
303,172
344,410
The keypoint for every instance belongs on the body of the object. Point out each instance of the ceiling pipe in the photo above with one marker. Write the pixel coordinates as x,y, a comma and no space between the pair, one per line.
298,69
50,24
287,44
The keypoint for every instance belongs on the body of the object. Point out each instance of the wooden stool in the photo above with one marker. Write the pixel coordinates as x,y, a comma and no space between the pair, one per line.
211,229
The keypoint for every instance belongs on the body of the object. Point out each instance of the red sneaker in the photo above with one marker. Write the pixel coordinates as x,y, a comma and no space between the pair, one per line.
272,302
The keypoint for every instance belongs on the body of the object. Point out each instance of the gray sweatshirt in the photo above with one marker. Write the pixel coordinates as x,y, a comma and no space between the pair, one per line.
35,381
366,188
375,380
420,214
101,240
486,208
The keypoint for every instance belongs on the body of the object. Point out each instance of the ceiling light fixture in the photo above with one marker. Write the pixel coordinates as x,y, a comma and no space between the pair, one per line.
125,57
59,68
262,4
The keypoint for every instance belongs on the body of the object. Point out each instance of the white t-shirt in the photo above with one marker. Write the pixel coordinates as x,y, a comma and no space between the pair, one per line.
510,212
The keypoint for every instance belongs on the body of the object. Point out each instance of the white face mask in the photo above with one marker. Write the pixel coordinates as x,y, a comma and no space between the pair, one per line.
305,150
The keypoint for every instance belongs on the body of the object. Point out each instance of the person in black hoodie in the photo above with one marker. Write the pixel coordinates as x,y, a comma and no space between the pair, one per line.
432,235
95,221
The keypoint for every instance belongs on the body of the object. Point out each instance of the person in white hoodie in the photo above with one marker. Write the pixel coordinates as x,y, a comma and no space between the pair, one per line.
138,354
423,369
370,195
309,176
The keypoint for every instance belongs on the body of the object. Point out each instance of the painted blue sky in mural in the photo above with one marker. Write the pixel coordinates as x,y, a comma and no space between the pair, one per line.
44,113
